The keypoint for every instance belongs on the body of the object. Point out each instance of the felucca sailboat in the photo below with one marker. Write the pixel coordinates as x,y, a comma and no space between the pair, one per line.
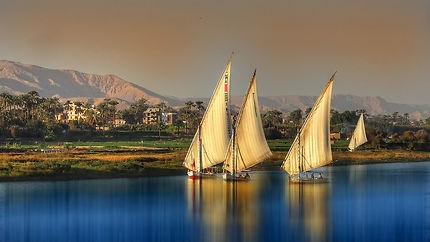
211,140
359,136
248,145
311,148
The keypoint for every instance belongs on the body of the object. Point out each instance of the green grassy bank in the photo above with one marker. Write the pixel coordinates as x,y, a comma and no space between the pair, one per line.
84,160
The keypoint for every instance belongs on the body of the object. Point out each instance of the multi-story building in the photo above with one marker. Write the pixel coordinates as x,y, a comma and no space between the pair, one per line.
73,112
168,118
152,115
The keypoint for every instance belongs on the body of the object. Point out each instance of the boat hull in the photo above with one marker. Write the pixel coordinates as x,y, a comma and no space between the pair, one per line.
231,177
198,175
308,177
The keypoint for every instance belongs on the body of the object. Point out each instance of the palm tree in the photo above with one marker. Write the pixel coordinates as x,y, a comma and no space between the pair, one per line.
6,101
178,123
272,119
30,100
139,108
90,114
49,108
296,116
200,107
107,110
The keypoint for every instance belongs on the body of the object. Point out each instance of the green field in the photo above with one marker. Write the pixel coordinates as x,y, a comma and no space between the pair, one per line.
173,144
183,143
104,159
101,145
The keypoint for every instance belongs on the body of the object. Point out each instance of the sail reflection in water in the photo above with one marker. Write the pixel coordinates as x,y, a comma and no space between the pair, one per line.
309,210
226,211
381,202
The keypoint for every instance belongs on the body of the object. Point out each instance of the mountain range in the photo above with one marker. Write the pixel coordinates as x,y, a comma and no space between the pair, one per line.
17,78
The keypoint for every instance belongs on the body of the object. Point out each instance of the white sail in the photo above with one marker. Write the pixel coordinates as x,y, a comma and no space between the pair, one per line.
359,136
248,146
311,148
214,128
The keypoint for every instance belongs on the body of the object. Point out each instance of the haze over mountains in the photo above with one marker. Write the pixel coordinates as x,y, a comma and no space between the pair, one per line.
17,78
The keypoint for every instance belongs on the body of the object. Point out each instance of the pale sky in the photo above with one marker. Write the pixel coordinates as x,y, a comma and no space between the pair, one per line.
179,48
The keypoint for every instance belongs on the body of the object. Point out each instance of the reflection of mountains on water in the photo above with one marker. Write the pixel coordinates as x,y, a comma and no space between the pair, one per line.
227,211
309,209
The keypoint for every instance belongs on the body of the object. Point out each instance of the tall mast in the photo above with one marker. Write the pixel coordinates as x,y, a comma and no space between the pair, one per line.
298,153
233,157
238,119
214,126
227,88
248,145
308,118
200,149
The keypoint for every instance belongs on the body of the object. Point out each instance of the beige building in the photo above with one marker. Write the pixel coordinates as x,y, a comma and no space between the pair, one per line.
119,122
152,115
73,112
335,136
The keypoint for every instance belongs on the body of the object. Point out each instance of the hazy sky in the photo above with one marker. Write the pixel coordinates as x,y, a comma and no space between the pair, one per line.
179,48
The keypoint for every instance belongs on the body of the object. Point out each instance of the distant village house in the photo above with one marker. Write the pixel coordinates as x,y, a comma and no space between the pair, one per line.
153,115
73,112
119,122
168,118
335,136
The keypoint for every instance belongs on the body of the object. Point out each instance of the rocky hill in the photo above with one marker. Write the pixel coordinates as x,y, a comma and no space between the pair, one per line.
17,78
372,105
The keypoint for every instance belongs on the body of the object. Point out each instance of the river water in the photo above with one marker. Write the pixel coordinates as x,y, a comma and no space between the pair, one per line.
380,202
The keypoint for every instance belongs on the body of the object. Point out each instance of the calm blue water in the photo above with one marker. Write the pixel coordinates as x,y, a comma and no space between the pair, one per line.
384,202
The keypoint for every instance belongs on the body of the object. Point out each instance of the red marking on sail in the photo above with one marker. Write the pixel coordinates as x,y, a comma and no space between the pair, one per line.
226,87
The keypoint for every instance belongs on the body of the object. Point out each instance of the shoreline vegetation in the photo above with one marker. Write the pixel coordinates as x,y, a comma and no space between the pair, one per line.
97,160
41,138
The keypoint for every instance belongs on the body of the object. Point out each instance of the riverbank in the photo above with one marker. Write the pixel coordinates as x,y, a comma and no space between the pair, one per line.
355,158
129,162
379,156
90,164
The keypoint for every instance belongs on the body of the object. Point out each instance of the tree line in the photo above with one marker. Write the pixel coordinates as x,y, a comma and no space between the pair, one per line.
31,116
383,131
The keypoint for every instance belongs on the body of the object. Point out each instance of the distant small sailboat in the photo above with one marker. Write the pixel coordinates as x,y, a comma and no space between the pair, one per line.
211,140
311,148
248,145
359,136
